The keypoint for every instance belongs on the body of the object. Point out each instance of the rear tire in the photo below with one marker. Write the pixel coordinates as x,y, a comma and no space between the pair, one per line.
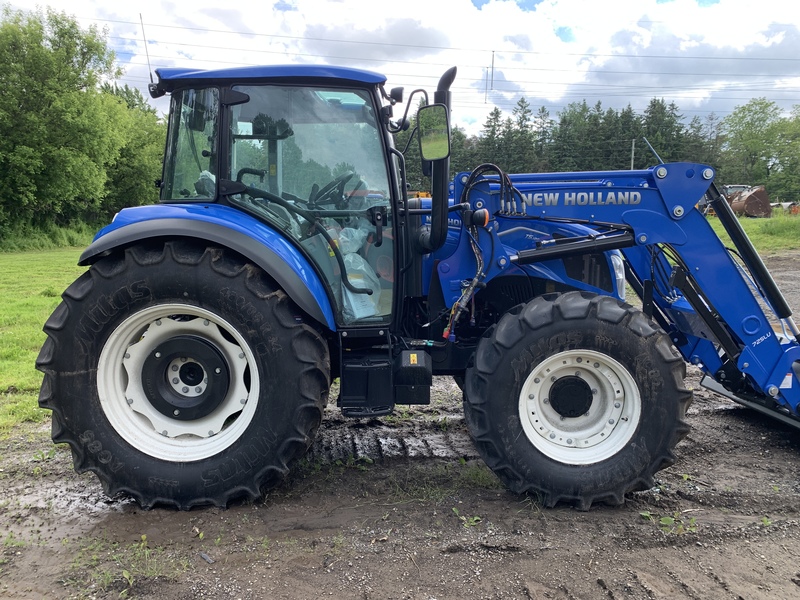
576,398
182,375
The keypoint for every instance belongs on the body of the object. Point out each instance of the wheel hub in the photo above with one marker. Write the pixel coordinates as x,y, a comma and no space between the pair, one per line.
571,397
185,378
579,406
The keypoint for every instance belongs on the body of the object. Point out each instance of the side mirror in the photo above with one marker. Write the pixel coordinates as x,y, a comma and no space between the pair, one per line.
433,123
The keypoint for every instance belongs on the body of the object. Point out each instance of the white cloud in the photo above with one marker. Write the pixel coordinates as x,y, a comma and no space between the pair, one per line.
703,55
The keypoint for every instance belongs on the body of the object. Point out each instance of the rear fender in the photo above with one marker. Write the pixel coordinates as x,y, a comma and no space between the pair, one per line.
227,227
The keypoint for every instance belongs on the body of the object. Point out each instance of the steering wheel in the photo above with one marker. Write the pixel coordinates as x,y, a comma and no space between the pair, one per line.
333,191
260,173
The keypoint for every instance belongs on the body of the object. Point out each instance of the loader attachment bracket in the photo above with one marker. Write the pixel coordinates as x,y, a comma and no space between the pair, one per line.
757,404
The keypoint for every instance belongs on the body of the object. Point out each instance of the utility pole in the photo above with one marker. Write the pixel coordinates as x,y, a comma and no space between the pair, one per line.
633,147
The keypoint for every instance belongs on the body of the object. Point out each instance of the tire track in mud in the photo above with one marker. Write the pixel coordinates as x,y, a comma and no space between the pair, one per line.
419,432
413,439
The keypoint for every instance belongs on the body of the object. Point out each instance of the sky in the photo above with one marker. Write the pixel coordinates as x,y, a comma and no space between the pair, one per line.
707,56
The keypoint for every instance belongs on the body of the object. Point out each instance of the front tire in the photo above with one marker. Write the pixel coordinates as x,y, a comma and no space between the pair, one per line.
576,398
182,375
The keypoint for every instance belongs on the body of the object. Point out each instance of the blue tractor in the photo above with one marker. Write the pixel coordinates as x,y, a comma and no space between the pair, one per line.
191,362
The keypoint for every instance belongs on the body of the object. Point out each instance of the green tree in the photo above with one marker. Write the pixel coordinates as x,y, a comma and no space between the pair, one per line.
404,143
521,141
784,177
712,138
490,142
542,137
662,125
629,132
132,176
58,132
132,97
572,138
463,151
749,152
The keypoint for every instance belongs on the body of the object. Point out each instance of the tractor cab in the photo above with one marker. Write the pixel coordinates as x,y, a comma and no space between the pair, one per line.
306,158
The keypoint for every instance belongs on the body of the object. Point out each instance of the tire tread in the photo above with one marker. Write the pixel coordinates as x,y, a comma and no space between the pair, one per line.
309,349
540,313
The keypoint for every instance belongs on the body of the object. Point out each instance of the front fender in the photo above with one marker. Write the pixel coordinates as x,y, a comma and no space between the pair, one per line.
226,227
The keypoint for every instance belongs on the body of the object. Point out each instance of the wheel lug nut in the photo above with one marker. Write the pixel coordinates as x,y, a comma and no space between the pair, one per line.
175,380
174,367
617,405
129,400
185,389
198,389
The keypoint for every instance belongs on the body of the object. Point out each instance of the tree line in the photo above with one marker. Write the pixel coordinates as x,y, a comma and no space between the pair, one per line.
754,145
77,147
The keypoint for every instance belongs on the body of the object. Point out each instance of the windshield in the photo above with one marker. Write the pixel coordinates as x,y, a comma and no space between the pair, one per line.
290,139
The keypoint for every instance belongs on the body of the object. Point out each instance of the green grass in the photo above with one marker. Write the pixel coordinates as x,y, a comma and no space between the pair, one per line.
30,288
779,233
436,146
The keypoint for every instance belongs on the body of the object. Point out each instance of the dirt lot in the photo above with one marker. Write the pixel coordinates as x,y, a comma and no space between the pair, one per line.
401,508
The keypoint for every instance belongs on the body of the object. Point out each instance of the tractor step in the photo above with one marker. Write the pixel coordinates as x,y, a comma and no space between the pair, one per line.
366,386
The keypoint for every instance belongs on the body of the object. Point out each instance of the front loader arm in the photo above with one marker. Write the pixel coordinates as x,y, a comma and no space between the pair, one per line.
718,306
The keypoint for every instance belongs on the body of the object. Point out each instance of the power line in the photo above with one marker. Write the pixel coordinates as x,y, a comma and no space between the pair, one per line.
450,48
444,65
525,82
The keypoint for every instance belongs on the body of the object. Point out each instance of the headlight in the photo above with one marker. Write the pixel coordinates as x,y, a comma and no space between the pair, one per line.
619,273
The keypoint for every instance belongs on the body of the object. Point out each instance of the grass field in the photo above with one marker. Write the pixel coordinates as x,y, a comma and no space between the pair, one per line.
30,288
31,283
779,233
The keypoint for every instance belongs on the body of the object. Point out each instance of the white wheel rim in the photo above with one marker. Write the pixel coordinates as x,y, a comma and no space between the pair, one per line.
143,426
604,429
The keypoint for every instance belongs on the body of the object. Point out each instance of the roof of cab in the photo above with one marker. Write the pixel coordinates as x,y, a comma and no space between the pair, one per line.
177,74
